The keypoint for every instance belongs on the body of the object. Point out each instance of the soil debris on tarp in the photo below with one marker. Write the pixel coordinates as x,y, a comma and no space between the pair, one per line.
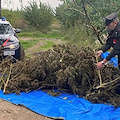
65,68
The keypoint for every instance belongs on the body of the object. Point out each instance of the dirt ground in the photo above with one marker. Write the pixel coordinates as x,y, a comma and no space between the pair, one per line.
9,111
34,49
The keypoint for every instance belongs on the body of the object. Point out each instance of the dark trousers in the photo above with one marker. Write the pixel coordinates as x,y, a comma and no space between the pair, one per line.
117,89
119,61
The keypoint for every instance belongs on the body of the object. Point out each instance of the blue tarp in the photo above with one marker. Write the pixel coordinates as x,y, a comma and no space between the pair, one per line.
70,107
113,60
67,106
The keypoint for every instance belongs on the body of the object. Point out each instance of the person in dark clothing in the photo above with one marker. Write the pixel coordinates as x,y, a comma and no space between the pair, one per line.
113,40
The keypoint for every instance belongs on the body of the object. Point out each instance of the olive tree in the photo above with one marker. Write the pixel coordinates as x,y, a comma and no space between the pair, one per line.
89,13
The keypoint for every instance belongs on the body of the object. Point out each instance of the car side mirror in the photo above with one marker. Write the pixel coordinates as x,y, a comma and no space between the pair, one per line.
17,30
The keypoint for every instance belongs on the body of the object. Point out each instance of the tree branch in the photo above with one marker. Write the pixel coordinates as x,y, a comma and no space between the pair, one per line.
89,20
76,10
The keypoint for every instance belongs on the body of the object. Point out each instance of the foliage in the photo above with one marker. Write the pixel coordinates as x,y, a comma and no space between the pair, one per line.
38,16
15,18
67,17
88,13
96,9
79,37
36,34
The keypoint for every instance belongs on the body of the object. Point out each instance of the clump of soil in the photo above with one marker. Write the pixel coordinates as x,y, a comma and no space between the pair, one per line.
65,68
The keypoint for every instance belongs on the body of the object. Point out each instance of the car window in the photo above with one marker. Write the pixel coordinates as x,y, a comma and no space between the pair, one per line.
6,29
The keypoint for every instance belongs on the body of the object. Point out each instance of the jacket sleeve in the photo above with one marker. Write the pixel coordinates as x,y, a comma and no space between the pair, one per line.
115,51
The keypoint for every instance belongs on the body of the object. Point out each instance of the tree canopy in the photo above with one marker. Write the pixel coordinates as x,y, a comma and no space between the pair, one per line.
74,11
88,13
39,16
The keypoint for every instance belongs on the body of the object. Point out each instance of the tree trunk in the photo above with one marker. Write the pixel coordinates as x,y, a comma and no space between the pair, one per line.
0,9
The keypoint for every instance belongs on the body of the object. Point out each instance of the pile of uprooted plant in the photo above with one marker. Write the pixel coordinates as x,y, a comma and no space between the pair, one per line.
68,69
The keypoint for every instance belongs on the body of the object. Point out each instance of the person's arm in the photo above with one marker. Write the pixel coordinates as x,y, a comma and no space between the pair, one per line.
105,48
103,62
115,51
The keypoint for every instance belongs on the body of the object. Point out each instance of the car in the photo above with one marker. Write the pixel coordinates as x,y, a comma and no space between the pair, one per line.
9,42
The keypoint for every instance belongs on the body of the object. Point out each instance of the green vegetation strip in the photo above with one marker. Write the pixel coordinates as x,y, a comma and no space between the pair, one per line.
47,46
52,34
28,43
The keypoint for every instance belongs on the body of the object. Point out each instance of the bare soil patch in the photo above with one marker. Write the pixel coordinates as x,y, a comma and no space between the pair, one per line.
9,111
32,51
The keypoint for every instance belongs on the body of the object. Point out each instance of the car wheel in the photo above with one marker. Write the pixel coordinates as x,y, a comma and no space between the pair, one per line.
22,53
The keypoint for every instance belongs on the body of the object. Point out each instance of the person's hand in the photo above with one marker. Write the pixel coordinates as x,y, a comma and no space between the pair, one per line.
98,53
100,65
